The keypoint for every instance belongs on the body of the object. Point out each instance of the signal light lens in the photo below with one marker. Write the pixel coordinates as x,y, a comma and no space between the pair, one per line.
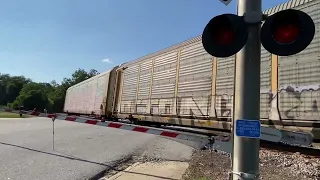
286,27
286,33
224,36
223,32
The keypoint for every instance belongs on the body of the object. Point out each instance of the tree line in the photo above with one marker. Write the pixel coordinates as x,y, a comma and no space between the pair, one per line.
17,91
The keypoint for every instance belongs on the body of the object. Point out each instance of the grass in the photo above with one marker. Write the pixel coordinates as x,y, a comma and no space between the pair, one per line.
11,115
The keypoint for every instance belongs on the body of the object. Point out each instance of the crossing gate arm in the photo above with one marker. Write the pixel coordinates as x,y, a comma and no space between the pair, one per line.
216,142
267,133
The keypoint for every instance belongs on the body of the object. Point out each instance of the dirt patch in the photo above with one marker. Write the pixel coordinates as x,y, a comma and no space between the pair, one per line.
205,165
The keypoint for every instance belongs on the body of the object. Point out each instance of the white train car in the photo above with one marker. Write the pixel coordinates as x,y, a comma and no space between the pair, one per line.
92,96
184,85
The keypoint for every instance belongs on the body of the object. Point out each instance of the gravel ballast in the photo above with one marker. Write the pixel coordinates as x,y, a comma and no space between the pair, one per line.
207,165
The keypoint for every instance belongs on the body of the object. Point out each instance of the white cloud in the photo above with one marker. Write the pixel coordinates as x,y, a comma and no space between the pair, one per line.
106,60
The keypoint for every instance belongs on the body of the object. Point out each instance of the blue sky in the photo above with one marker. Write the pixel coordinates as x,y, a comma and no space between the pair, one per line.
49,39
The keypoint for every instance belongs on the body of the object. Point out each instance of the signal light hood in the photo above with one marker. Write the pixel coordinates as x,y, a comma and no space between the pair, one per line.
224,35
287,32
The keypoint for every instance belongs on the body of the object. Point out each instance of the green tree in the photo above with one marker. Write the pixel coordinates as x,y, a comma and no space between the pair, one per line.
10,87
17,90
81,75
33,95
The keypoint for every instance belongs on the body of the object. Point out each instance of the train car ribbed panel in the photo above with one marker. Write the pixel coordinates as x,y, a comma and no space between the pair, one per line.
144,87
224,86
265,83
195,77
128,101
130,83
299,75
164,75
145,79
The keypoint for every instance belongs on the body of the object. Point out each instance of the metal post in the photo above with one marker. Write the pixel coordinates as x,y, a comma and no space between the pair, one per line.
247,96
53,135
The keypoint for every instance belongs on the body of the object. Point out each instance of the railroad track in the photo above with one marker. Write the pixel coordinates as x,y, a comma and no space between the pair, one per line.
309,151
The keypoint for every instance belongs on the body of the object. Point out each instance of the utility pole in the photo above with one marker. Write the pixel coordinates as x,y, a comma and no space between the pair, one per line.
247,93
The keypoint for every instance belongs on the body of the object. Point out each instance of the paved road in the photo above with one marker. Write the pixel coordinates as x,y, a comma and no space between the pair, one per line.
81,150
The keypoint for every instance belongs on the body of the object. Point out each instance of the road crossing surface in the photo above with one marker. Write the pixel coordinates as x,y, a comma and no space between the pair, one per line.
80,150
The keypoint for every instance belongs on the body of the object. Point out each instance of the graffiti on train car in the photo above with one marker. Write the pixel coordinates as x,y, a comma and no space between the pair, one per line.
191,106
196,106
299,102
293,103
224,105
185,106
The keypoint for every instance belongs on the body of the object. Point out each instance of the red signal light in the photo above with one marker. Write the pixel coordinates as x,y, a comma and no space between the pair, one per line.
224,36
286,33
223,31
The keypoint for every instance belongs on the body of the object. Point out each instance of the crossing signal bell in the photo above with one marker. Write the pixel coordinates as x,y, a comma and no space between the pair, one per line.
284,33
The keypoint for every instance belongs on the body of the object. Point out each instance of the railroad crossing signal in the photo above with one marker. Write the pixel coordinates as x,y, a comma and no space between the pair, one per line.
284,33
